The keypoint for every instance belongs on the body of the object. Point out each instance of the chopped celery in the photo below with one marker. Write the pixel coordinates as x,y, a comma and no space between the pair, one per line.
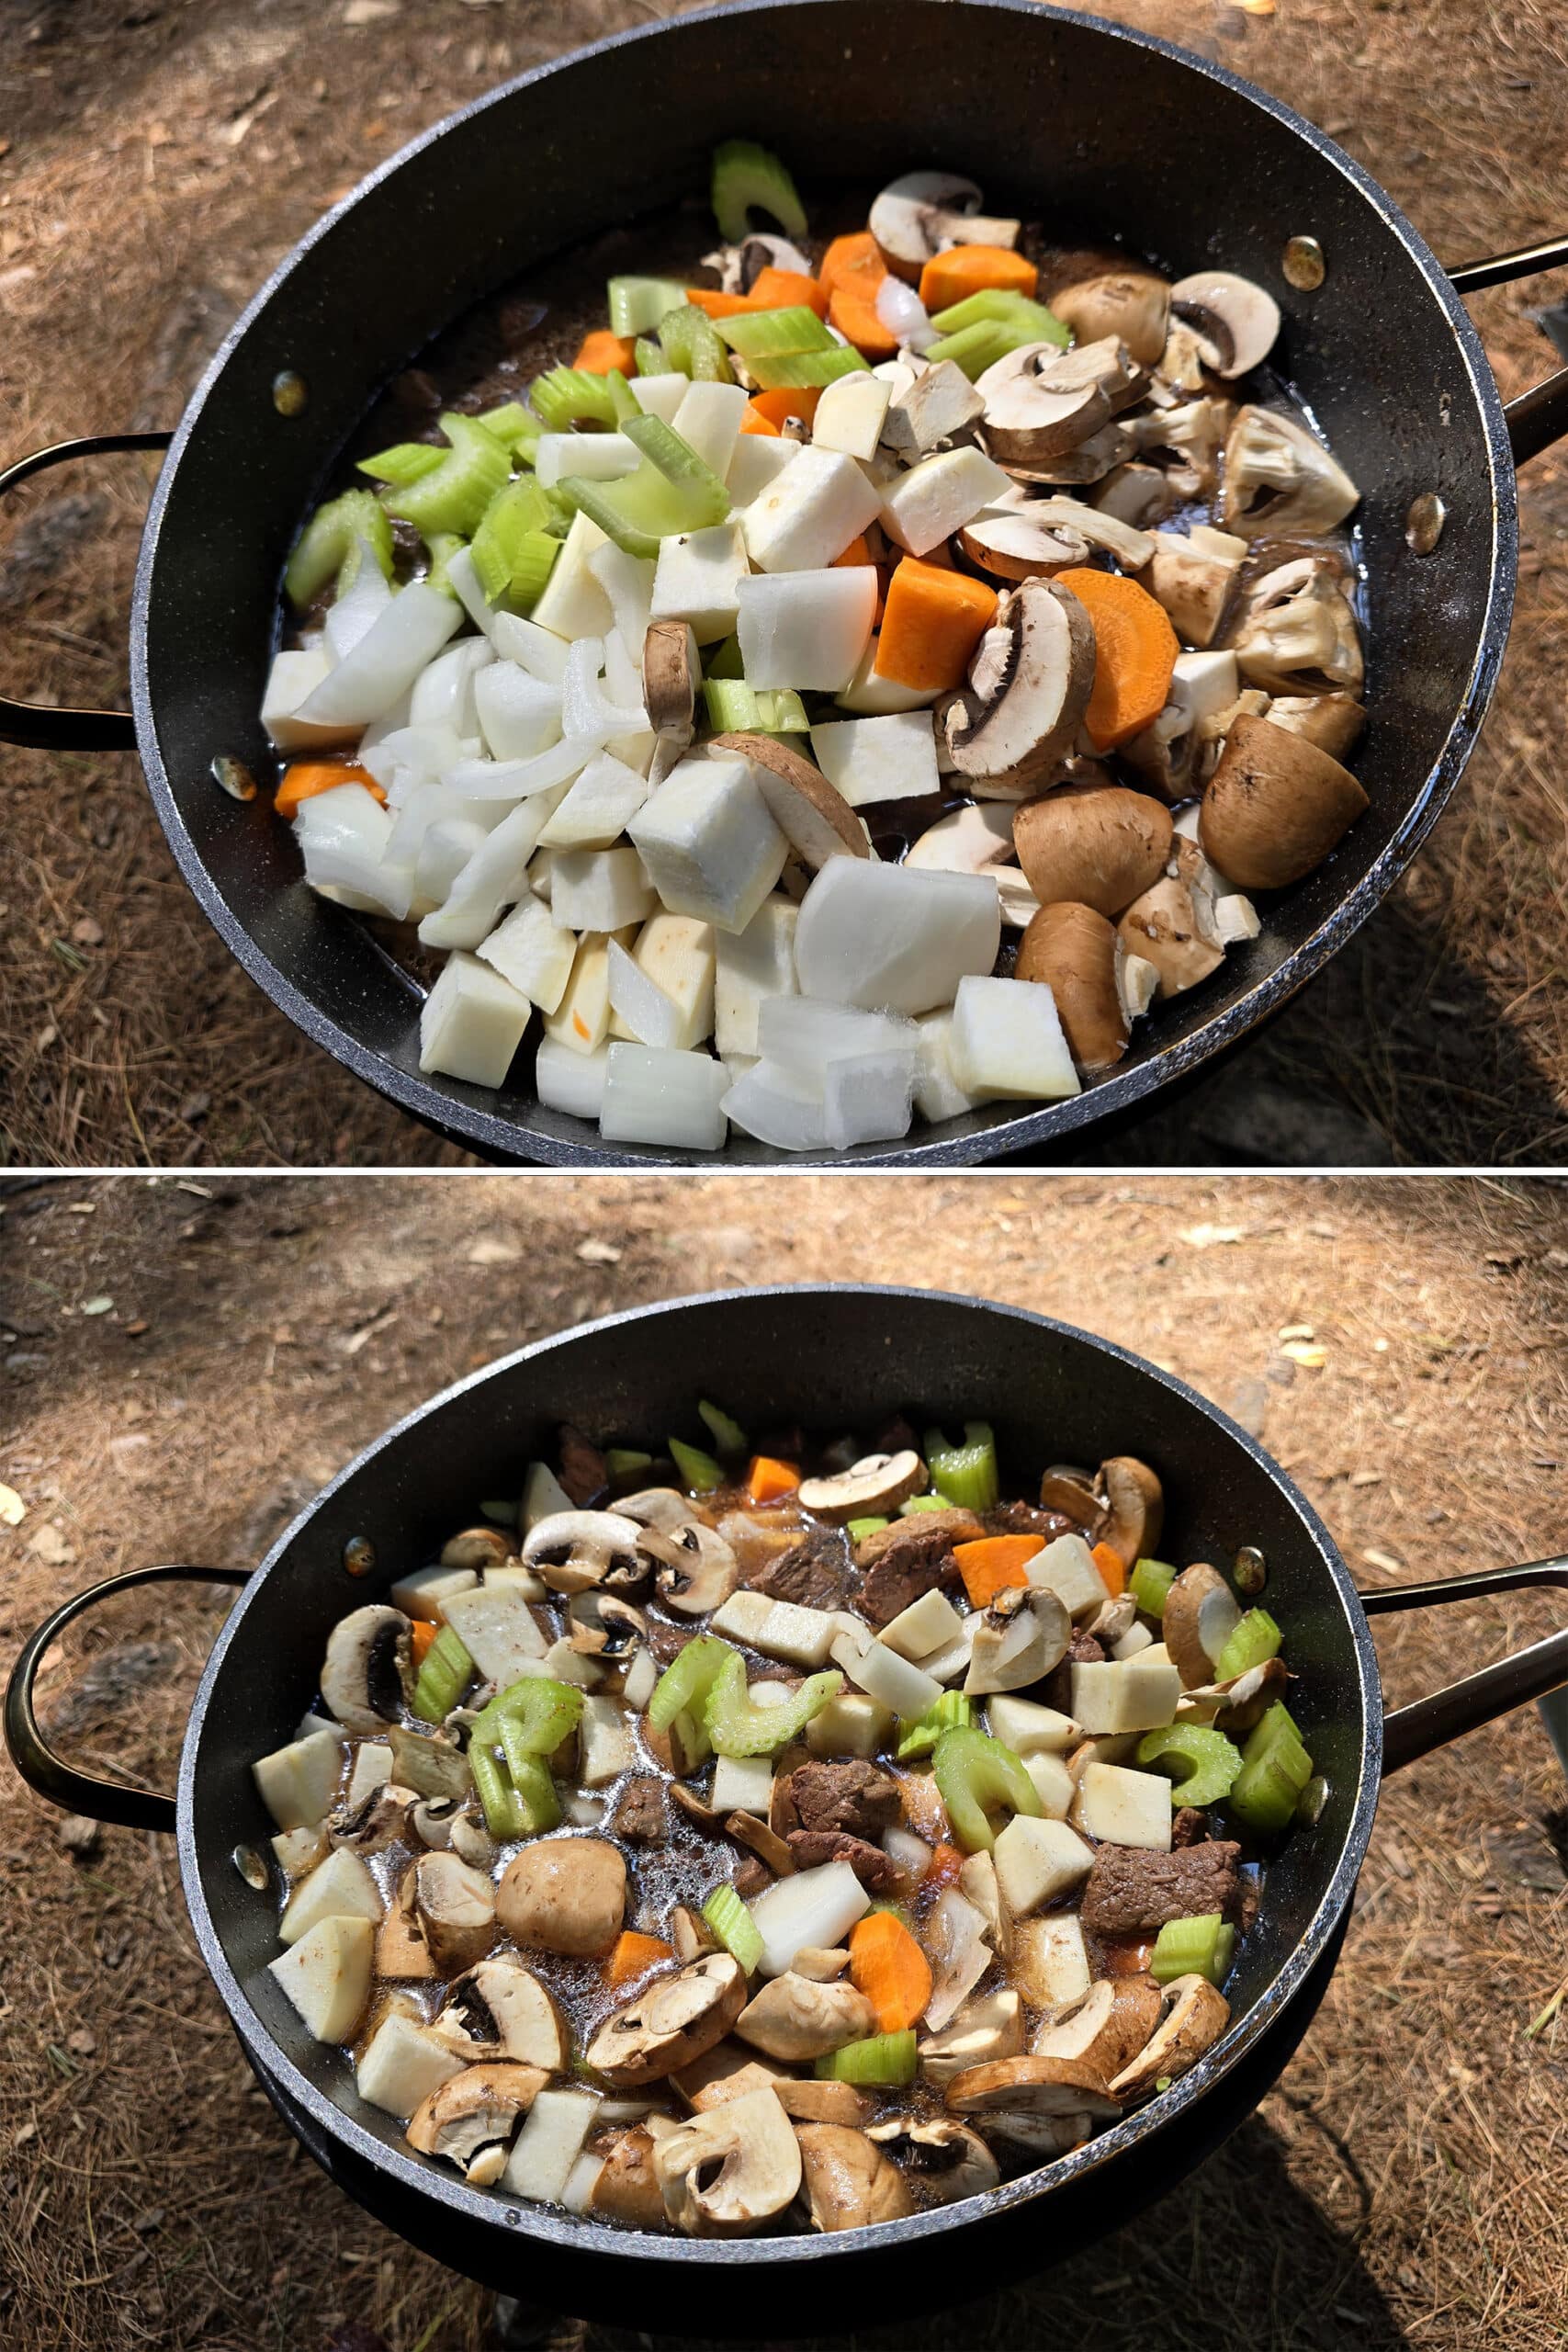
626,1462
734,707
405,461
919,1737
976,348
443,1676
728,1435
510,424
1275,1769
1250,1642
745,175
1201,1761
734,1927
671,492
700,1471
995,306
737,1728
505,1812
974,1774
1149,1583
886,2062
636,304
685,1682
531,1779
1200,1947
724,661
454,495
857,1530
912,1505
799,370
761,334
623,398
517,512
690,345
965,1474
329,536
441,546
648,353
572,396
541,1712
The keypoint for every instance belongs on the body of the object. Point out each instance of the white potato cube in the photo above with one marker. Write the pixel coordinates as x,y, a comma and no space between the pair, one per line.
604,1747
850,1724
883,1675
1053,1782
339,1888
581,1021
1135,1638
876,696
697,575
758,462
657,1097
709,419
1036,1860
528,950
290,682
297,1784
931,501
1050,1960
499,1630
801,1636
599,890
326,1976
549,2144
806,630
298,1851
1030,1729
849,415
895,938
661,395
809,514
543,1496
569,1081
868,1098
1065,1567
1119,1807
424,1593
640,1009
742,1784
751,966
471,1023
938,1094
561,1663
403,2064
594,457
599,805
372,1770
710,847
742,1617
1125,1695
891,758
519,716
927,1625
572,602
1006,1039
673,955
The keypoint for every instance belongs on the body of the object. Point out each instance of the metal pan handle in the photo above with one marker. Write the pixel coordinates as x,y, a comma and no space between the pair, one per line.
39,724
1540,416
43,1770
1414,1731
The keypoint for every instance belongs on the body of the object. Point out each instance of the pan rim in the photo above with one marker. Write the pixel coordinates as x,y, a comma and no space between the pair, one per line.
574,2235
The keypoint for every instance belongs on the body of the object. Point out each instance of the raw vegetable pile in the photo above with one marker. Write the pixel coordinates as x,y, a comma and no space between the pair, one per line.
806,1840
879,542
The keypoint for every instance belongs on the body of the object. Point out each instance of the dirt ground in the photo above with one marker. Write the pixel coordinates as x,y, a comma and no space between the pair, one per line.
185,1361
157,160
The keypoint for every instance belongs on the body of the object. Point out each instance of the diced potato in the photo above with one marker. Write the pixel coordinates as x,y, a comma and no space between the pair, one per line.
1066,1568
742,1784
549,2144
599,805
710,847
661,395
1125,1695
574,604
801,1636
742,1616
806,630
372,1770
928,501
1037,1860
1028,1728
887,758
884,1675
424,1593
872,694
530,952
697,575
581,1021
543,1496
403,2064
850,1724
471,1023
1054,1781
499,1630
927,1625
751,966
759,460
298,1851
326,1976
604,1745
895,938
339,1888
1050,1961
561,1663
709,420
1123,1809
849,415
1006,1039
675,954
599,890
297,1784
807,516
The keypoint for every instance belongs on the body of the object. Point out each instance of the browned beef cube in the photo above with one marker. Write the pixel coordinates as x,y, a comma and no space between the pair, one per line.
874,1869
1133,1891
1190,1828
639,1816
851,1796
816,1574
1027,1519
920,1562
582,1471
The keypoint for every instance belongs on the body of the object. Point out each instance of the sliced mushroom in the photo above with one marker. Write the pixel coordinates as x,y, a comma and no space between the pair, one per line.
565,1895
1021,1637
402,1954
477,1548
500,2009
1021,536
1094,845
1178,748
1237,1704
1043,402
1197,2013
1135,494
739,267
978,1884
1105,2029
1131,305
698,1569
731,2169
661,1507
1028,687
690,1933
1076,953
1092,461
1136,1503
1279,479
989,2028
574,1550
1275,806
747,1830
1195,433
674,2020
1191,574
1047,2104
1334,722
1172,926
380,1820
430,1820
1070,1491
470,2119
456,1910
795,2018
847,2180
924,213
601,1626
1200,1614
1235,322
1293,630
949,2160
627,2187
972,840
1180,369
672,671
812,814
870,1488
368,1674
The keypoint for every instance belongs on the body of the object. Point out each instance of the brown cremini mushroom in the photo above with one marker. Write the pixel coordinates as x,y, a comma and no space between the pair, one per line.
1172,926
1200,1614
675,2019
949,2160
1279,479
564,1894
1132,305
1135,1500
812,814
1293,630
1043,402
1028,687
470,2119
731,2169
1334,722
1075,951
1047,2104
924,214
698,1570
671,673
796,2018
1196,2015
627,2188
368,1674
871,1487
1233,321
1275,806
477,1548
500,2009
1192,573
456,1910
1093,845
847,2182
574,1550
1105,2029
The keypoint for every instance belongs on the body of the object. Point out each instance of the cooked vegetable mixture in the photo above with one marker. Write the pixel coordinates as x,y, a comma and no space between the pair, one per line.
809,1839
860,686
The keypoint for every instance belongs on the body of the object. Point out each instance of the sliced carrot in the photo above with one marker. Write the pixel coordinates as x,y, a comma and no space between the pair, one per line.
718,305
934,619
753,421
1134,654
421,1635
769,1478
888,1965
785,289
946,1864
852,310
855,256
1112,1569
302,779
633,1955
962,270
856,552
780,406
991,1563
600,353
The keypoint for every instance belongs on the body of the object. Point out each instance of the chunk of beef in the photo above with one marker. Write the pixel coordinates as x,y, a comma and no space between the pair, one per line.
815,1575
749,1876
665,1640
961,1526
1027,1519
639,1816
1133,1891
874,1869
921,1561
852,1796
1190,1828
1058,1688
582,1471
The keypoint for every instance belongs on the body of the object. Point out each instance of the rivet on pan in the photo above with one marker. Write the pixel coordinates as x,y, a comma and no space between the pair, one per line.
1311,1802
251,1868
1303,264
291,393
1424,523
1251,1570
359,1555
235,777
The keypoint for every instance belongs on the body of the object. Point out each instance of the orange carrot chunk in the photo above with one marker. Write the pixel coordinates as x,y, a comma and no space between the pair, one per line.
962,270
1134,654
1112,1569
935,617
991,1563
302,779
888,1965
850,257
718,305
421,1635
946,1864
768,1480
631,1955
601,353
852,307
784,290
753,421
779,407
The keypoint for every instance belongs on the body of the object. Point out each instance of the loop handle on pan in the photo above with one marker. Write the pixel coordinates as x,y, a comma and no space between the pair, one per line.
1414,1731
1540,416
37,724
43,1770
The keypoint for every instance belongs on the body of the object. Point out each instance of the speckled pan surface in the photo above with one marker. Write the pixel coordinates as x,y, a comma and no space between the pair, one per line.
1062,114
833,1355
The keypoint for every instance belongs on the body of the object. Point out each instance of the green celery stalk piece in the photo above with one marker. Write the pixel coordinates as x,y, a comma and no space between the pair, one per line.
623,398
737,1728
510,424
1202,1762
734,1927
626,1462
799,370
966,1474
441,546
1150,1582
672,491
454,496
731,706
726,1432
636,304
1203,1945
995,306
691,343
756,334
780,711
700,1471
572,396
746,175
684,1686
883,2061
405,461
540,1711
516,510
973,349
329,538
1253,1639
857,1530
648,352
974,1774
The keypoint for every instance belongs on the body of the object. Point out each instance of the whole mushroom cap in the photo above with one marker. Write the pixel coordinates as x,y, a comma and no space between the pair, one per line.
1094,845
1073,950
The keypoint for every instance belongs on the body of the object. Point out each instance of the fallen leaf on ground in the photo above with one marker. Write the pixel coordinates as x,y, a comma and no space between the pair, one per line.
598,1253
48,1545
492,1252
1209,1236
13,1509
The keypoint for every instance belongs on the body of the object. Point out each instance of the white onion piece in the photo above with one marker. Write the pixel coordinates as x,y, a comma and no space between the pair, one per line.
409,757
493,877
903,314
344,836
777,1107
356,610
464,581
390,722
956,1938
572,1082
911,1853
443,694
518,779
387,659
538,650
627,580
584,710
655,1096
815,1907
519,716
445,849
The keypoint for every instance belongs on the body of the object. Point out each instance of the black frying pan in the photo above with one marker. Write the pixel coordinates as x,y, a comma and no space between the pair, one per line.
841,1357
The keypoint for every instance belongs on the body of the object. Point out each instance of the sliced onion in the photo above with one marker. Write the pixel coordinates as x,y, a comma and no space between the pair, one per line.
359,607
903,314
584,710
409,757
388,658
516,779
495,877
955,1941
344,836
